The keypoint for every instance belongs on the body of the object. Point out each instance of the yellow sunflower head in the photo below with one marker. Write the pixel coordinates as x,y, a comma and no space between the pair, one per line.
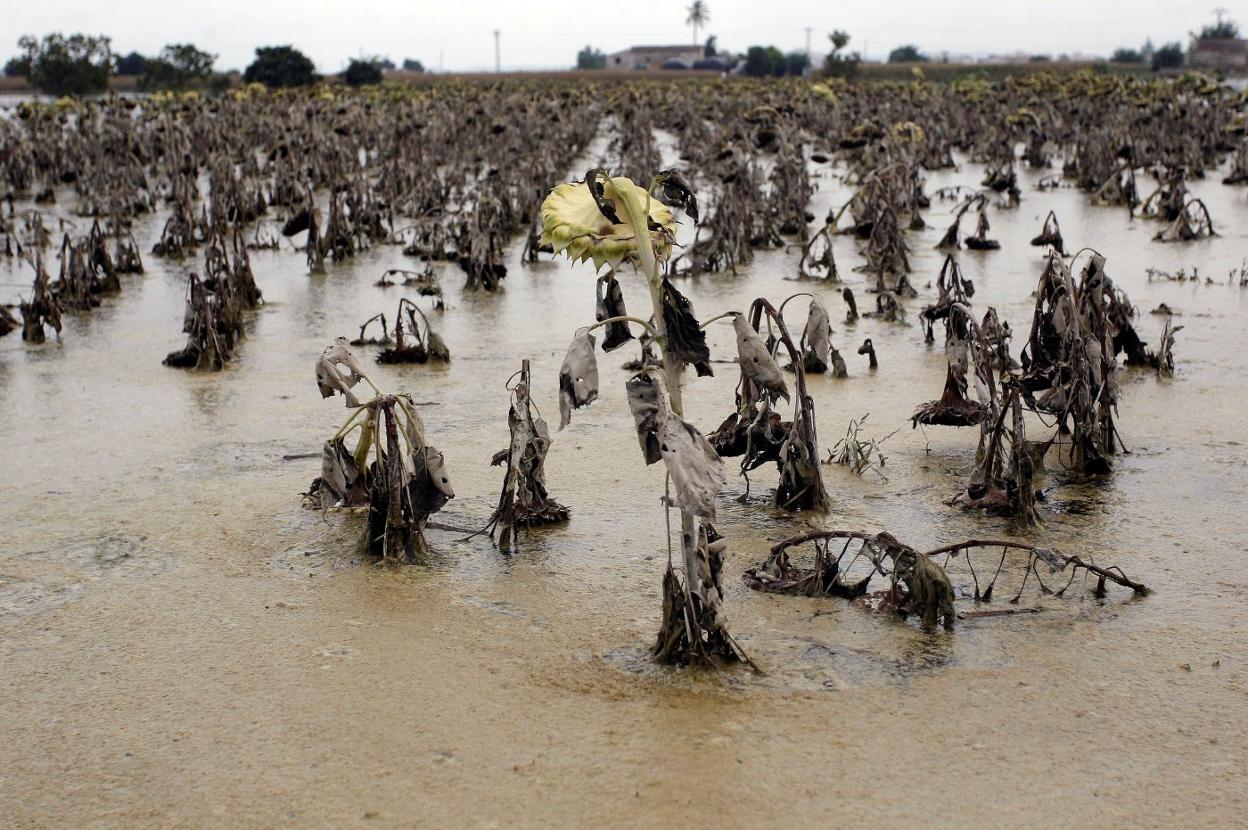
908,132
576,223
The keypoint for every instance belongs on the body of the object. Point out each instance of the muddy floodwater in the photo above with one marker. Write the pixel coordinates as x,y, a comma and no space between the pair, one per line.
181,644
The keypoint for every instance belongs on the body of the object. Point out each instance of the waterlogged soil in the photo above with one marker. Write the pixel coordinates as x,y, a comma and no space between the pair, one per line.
182,645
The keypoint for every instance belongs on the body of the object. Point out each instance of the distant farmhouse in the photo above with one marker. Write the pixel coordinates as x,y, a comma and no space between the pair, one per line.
1219,53
654,57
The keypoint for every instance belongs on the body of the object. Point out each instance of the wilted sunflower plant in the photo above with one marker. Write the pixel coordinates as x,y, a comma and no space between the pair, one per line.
612,221
405,482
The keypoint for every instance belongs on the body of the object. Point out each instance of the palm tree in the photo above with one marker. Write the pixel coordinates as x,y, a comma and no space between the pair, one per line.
699,15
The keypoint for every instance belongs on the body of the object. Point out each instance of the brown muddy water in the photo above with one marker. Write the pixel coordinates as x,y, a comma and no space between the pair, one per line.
182,645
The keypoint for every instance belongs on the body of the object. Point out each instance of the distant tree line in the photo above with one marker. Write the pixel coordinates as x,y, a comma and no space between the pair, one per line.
765,61
1167,56
81,64
1171,55
178,66
77,64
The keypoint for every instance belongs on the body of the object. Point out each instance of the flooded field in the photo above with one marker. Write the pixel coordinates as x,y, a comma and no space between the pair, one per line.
182,644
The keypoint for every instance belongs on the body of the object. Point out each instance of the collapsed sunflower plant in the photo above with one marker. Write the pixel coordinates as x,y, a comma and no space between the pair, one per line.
612,221
406,481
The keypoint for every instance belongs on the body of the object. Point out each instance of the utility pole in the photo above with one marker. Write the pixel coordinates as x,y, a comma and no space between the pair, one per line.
808,30
1218,12
498,61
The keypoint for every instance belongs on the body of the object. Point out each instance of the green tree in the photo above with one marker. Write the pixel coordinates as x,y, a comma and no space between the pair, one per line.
1125,55
907,54
1169,56
17,67
711,49
410,65
699,16
74,65
591,58
178,66
796,63
759,62
130,65
281,66
777,61
1222,30
362,73
838,63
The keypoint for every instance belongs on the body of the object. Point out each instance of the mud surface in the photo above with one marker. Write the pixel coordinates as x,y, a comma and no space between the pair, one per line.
182,645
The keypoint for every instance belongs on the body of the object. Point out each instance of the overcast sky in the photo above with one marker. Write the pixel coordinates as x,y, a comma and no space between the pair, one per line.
458,34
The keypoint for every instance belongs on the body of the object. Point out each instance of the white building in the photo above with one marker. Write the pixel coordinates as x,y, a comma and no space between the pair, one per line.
1219,53
652,57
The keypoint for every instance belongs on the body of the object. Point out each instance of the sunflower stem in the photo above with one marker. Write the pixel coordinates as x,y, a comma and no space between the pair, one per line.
637,214
624,318
719,317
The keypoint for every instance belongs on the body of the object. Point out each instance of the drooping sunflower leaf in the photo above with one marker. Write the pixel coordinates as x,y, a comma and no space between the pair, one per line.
578,377
678,192
646,401
600,197
686,342
756,361
430,486
343,483
331,378
298,223
1055,563
610,303
436,347
818,346
696,471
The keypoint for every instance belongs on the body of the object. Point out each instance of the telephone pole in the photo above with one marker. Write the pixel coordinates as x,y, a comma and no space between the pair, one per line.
808,30
498,61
